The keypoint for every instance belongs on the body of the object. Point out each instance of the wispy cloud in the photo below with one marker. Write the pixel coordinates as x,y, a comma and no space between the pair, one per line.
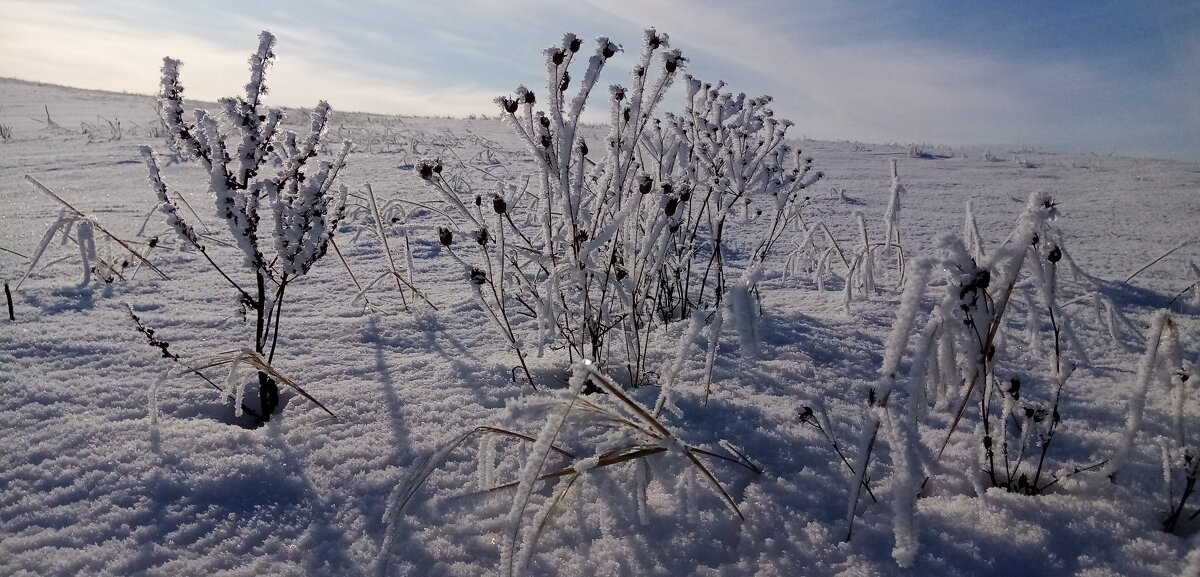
1062,77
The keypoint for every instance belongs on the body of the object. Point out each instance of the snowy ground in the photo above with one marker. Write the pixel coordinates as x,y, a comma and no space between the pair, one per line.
110,466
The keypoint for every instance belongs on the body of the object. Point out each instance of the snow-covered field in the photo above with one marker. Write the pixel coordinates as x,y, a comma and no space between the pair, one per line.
113,463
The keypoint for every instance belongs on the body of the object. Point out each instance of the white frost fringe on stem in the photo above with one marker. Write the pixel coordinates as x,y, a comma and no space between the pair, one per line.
902,451
513,560
1137,404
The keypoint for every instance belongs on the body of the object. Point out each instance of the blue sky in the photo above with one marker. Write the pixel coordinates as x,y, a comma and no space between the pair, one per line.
1079,76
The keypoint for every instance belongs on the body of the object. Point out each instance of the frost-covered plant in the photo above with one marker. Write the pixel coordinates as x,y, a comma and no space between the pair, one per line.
962,358
108,268
616,429
1164,360
611,242
250,162
866,264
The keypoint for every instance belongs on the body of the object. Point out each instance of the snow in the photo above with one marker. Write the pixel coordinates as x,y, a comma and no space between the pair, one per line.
108,467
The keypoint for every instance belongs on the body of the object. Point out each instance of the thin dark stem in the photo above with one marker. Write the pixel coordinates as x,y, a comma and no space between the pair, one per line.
8,298
260,341
1177,511
278,313
837,449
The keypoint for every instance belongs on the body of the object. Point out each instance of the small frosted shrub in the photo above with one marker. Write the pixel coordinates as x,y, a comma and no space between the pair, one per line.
613,239
965,364
253,167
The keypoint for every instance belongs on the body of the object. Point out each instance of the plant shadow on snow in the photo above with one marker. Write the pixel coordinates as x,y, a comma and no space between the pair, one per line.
1129,297
207,501
68,299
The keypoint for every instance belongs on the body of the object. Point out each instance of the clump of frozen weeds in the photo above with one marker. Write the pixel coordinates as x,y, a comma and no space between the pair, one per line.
664,218
966,370
620,433
253,166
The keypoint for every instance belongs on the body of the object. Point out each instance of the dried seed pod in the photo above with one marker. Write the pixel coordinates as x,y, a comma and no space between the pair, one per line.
427,168
499,205
645,184
445,236
1055,254
478,276
482,237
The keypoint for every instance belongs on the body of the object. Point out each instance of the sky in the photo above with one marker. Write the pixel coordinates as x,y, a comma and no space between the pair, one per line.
1102,76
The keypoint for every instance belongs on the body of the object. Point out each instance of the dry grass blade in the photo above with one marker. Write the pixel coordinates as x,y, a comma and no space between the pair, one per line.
608,459
431,462
1155,261
387,248
260,364
404,493
353,278
42,188
13,252
613,389
59,224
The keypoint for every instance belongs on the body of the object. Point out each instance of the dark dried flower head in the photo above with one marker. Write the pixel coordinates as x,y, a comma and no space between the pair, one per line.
1055,254
509,106
645,183
499,205
478,276
482,237
576,44
428,167
445,236
673,60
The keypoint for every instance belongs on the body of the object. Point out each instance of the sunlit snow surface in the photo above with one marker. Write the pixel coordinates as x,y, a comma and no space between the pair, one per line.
108,468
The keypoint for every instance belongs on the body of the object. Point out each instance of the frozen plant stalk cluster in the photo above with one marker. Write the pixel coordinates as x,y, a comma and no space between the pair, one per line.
616,239
251,162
